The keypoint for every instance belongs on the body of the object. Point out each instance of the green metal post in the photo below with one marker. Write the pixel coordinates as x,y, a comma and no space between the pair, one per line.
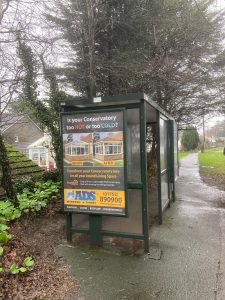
171,167
159,169
69,227
169,160
177,162
95,228
144,177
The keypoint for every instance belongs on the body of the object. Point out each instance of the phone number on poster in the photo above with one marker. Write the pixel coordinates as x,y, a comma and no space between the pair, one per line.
111,199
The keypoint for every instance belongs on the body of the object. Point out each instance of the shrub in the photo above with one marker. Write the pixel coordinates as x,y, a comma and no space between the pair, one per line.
24,183
8,211
51,175
190,138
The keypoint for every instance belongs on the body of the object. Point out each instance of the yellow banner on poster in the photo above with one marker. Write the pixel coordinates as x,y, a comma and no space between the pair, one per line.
109,163
87,197
77,163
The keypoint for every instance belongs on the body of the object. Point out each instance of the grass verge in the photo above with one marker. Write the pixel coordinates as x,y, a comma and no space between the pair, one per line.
212,167
212,161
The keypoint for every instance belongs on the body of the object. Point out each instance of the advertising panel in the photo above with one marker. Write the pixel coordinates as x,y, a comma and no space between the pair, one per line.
93,156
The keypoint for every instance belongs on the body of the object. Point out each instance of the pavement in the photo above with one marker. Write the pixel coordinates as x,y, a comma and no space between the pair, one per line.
187,253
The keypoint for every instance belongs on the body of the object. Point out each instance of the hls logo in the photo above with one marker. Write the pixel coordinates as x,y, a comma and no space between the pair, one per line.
83,195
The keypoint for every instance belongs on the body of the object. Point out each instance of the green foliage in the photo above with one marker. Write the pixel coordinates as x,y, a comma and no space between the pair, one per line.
23,164
26,203
46,115
28,261
122,58
4,227
49,187
4,237
51,175
24,183
33,199
14,269
190,138
37,199
8,211
6,180
23,269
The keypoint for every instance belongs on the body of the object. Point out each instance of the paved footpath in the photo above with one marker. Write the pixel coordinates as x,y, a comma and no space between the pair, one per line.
192,240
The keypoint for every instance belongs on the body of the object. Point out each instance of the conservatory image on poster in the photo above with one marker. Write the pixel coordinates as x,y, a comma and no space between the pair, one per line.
78,147
109,146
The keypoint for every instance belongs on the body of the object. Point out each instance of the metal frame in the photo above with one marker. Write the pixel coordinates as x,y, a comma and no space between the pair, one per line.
111,103
172,158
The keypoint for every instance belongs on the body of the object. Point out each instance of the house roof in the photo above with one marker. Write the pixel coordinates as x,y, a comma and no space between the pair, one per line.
84,139
87,138
113,138
42,142
10,119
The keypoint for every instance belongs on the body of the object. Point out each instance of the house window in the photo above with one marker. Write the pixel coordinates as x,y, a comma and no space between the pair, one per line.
108,148
35,156
77,150
99,149
39,156
43,158
68,149
115,148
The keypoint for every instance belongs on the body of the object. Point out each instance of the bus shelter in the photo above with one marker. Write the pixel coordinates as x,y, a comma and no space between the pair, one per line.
120,164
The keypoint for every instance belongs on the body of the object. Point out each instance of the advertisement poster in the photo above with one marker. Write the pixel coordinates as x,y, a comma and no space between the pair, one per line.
93,155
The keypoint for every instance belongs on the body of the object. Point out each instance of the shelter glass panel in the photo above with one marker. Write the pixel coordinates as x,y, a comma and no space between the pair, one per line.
131,224
175,150
80,221
163,144
133,146
164,190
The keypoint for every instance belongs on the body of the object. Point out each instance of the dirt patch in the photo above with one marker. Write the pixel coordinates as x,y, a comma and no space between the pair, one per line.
215,180
49,278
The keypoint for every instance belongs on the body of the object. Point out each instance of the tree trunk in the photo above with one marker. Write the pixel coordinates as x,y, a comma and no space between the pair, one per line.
6,181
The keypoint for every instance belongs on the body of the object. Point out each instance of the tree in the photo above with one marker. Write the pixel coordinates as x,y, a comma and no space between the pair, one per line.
6,181
190,138
102,38
168,49
44,111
